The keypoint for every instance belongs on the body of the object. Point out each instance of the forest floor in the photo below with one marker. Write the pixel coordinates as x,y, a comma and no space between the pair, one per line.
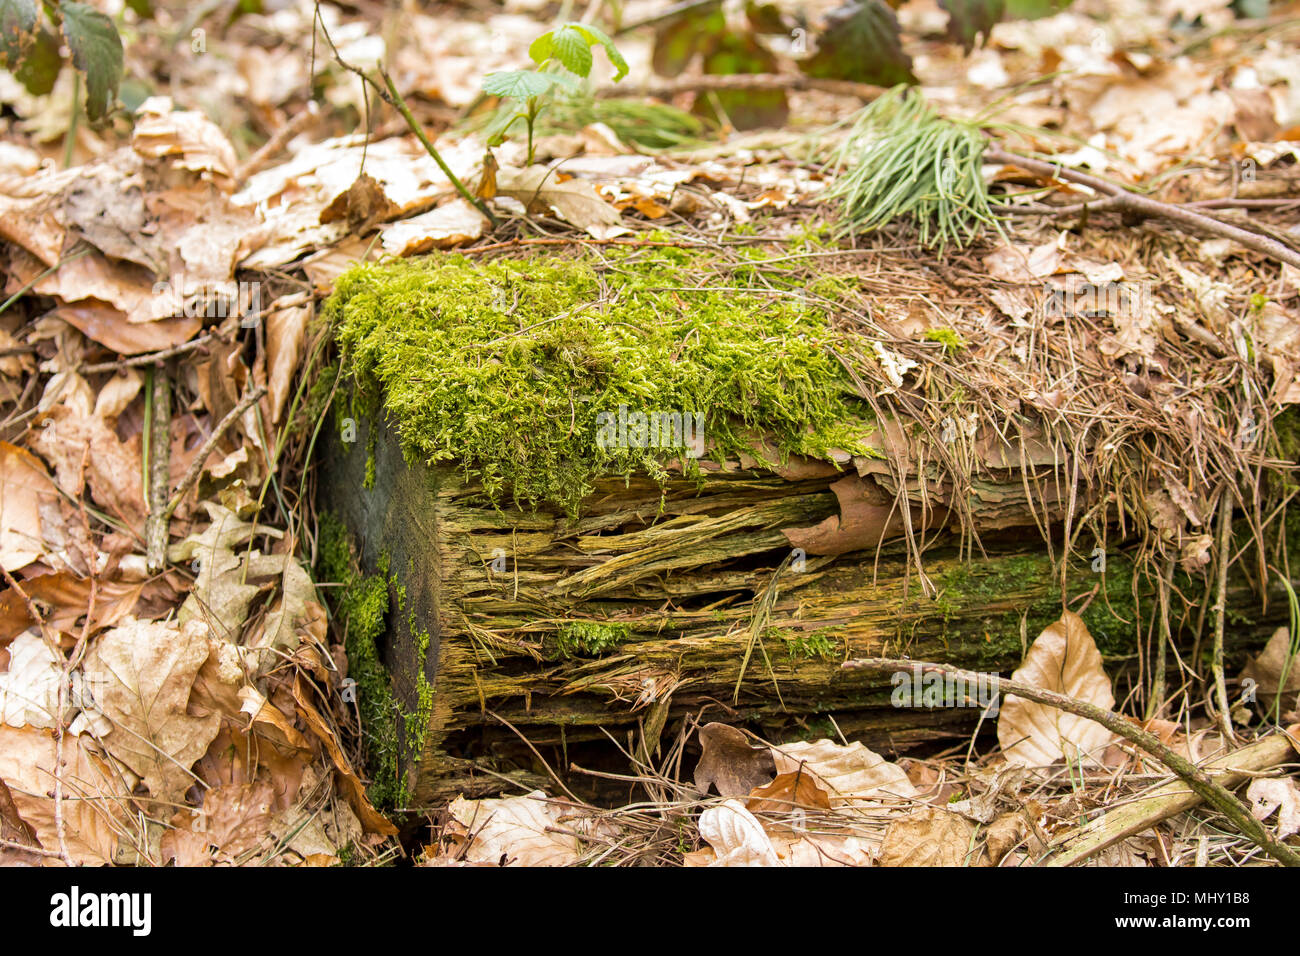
173,677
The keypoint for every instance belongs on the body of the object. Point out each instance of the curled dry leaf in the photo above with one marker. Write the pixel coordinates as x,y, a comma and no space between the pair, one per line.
1064,659
736,836
729,763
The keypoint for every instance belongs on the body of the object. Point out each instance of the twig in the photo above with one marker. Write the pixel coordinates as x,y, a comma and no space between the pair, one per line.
393,98
196,466
721,82
1210,791
278,140
149,359
1147,206
1220,612
155,532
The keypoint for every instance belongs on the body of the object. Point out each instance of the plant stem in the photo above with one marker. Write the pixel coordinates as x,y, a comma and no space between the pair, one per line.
394,98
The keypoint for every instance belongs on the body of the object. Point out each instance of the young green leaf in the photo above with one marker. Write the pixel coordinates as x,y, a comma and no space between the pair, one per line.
566,45
519,84
96,52
596,35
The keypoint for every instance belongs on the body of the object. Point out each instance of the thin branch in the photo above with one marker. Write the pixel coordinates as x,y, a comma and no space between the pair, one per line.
1210,791
1150,207
196,466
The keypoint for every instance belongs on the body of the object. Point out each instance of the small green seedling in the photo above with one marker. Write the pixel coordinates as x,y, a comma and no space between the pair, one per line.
561,55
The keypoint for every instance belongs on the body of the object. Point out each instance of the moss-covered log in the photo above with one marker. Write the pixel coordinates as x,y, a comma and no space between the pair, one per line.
650,605
537,569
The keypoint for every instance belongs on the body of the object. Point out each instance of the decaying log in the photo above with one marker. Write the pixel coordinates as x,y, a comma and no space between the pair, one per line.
739,596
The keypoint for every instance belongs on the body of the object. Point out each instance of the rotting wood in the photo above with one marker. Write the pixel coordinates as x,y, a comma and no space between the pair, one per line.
482,600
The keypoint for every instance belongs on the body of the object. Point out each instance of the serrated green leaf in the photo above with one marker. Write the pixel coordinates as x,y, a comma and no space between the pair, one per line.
41,64
967,19
540,49
17,30
521,84
571,48
596,35
860,43
96,52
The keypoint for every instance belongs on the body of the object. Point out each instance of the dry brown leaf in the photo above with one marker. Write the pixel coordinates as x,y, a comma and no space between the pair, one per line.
68,598
141,675
28,499
519,831
95,801
451,224
187,138
928,837
1280,794
1064,658
1266,671
285,330
729,763
851,774
353,789
788,791
13,829
576,201
233,820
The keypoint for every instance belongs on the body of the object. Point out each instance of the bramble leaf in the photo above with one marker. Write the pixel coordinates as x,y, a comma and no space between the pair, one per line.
96,52
861,43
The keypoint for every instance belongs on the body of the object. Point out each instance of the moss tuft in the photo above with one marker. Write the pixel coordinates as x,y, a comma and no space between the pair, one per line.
589,638
361,606
514,369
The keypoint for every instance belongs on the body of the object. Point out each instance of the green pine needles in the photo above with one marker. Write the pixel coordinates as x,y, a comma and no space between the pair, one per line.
902,160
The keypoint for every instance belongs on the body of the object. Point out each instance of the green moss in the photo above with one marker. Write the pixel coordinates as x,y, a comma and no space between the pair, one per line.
361,605
519,371
589,638
948,338
417,723
819,644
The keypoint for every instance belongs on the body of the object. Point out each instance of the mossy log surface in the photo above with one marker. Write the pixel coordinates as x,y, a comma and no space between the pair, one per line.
645,608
